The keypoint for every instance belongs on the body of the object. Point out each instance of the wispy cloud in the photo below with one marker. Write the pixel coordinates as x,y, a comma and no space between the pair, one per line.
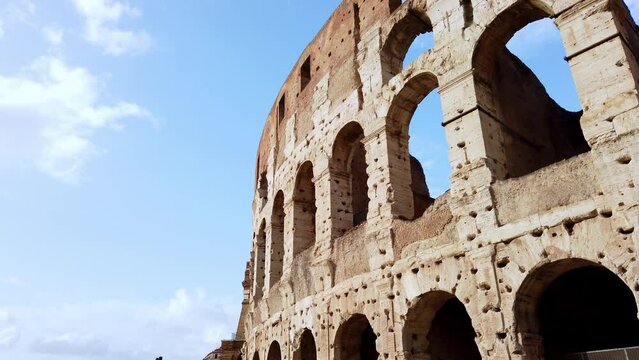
186,326
530,40
9,332
102,19
50,113
53,35
72,344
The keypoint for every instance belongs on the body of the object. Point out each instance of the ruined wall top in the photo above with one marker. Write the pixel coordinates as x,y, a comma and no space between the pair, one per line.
335,44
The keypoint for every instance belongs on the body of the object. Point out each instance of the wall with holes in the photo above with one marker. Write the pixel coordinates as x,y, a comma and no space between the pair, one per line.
353,258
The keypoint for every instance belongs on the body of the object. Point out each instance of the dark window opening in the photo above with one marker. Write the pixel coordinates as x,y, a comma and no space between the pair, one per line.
277,240
305,73
439,327
281,108
274,352
262,190
304,209
587,309
349,179
355,340
307,349
452,336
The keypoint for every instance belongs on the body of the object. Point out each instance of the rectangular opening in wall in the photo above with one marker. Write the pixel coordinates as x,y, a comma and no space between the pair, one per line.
281,108
305,73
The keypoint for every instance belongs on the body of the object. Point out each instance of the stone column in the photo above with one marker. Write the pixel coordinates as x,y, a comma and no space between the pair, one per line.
601,46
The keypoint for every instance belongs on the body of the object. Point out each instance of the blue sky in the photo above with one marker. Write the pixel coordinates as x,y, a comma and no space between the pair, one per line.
128,133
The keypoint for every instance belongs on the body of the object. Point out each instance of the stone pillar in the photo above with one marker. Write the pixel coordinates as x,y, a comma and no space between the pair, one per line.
389,176
340,204
601,46
486,314
259,270
475,154
289,236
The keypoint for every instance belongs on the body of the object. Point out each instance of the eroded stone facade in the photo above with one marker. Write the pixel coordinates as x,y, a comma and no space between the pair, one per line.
353,259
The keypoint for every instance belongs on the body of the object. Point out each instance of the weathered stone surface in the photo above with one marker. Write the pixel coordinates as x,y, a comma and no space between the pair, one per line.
352,253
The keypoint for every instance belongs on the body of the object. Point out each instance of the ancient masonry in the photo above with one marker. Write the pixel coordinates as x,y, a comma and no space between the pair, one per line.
531,254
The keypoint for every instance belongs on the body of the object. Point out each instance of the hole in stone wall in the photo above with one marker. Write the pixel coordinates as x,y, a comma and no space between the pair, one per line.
307,349
426,146
355,340
305,73
429,153
420,45
349,178
439,327
277,240
274,352
304,209
262,190
531,108
587,309
281,108
400,39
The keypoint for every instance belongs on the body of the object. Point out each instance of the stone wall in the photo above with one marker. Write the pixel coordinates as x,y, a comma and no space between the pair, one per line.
374,268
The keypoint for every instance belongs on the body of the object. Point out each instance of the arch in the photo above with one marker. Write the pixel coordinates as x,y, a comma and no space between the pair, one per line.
262,190
307,349
525,129
256,355
574,306
259,257
355,340
277,239
274,351
400,114
399,40
349,179
439,327
304,209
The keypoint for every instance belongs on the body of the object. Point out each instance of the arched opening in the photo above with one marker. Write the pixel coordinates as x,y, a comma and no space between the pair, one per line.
355,340
256,356
421,44
307,349
349,179
439,327
525,129
427,143
400,39
575,306
277,239
274,352
304,209
262,190
260,261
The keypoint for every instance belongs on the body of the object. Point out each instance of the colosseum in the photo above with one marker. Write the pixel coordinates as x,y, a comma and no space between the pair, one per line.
531,254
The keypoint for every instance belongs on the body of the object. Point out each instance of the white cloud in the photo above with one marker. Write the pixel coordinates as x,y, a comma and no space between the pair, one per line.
102,18
71,344
533,37
53,35
9,333
186,326
49,114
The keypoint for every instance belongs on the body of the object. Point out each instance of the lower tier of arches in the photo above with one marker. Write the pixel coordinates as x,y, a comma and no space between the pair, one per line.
551,294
